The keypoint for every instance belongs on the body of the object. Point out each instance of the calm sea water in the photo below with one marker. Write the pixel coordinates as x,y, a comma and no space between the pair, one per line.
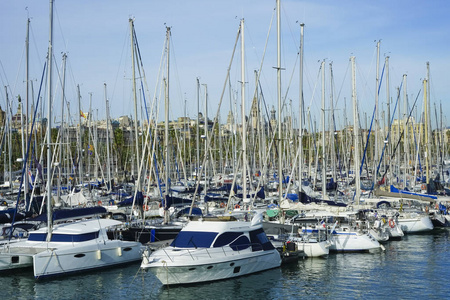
417,266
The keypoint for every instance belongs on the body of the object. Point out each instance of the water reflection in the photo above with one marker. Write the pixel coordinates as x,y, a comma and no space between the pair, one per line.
408,269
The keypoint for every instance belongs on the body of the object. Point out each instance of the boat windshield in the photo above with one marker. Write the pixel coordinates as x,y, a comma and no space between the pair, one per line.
194,239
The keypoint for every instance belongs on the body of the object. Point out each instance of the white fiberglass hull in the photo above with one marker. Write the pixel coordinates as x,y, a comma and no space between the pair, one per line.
314,249
415,225
75,259
353,242
395,232
202,265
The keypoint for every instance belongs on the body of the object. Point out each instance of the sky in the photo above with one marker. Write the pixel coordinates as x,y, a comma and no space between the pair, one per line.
95,35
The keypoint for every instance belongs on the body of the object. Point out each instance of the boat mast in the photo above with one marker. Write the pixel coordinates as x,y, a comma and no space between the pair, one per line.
376,115
300,117
244,123
356,134
428,122
388,96
280,163
405,138
26,107
198,130
61,128
80,139
136,138
166,130
49,126
108,161
324,169
427,152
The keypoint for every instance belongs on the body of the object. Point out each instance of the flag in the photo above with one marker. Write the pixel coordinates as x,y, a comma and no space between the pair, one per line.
324,225
82,114
30,176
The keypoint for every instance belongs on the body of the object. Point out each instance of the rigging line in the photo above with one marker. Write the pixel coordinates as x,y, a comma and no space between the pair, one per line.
125,43
343,81
403,131
217,113
271,130
60,28
149,136
25,160
290,81
264,53
390,127
333,120
370,128
315,86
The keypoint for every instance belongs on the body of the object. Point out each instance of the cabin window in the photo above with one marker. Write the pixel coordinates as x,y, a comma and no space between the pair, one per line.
37,237
259,240
240,244
70,238
194,239
57,237
226,238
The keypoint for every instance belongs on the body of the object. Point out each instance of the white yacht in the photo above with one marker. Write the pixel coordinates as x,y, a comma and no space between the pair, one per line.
211,249
348,239
413,221
73,247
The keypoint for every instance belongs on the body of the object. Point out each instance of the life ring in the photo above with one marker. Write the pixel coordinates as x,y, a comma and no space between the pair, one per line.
391,223
424,186
145,207
99,203
237,206
222,205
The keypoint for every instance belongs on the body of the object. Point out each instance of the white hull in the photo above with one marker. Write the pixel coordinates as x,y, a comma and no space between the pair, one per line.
379,234
415,224
64,261
202,269
353,242
312,249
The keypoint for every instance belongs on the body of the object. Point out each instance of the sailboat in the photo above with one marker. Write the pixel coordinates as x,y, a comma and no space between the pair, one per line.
212,248
68,247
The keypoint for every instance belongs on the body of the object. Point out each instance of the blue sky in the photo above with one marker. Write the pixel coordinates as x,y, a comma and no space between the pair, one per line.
95,36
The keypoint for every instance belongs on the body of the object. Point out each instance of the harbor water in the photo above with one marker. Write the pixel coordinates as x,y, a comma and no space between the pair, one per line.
415,267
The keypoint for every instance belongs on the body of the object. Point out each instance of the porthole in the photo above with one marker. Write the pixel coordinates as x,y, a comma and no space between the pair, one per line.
79,255
127,249
192,269
209,267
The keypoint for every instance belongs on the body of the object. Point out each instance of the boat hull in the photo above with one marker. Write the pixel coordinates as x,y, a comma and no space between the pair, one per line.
64,261
416,225
312,249
202,270
353,242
